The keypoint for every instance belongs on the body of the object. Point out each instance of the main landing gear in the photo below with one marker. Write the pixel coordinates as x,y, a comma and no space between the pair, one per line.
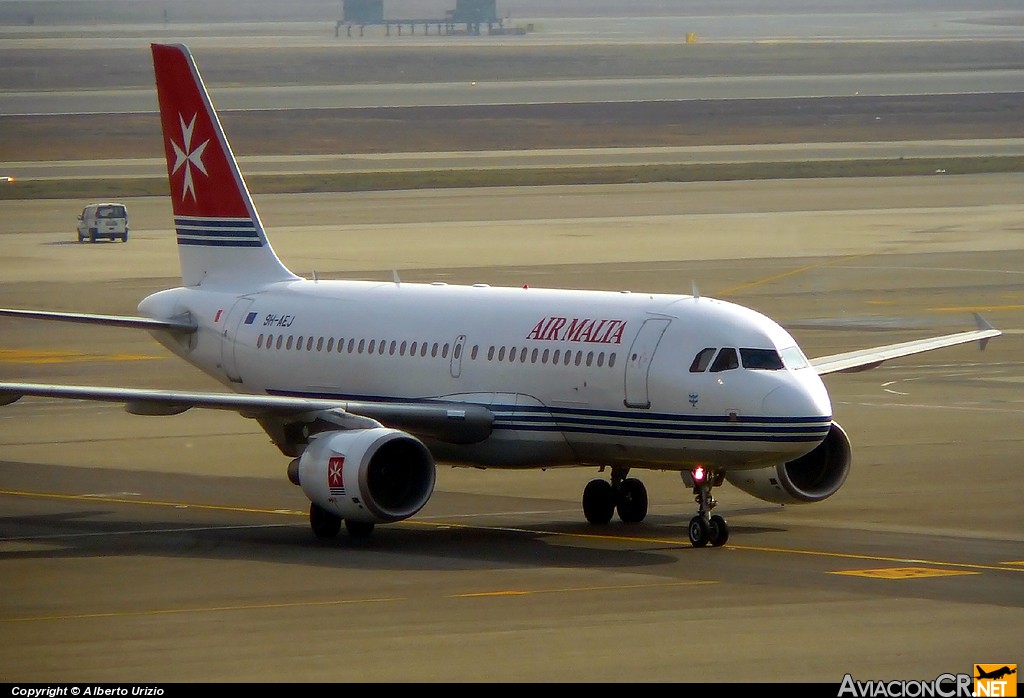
704,528
627,495
326,524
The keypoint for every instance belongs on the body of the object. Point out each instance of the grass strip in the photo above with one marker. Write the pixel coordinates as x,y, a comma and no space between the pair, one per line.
115,188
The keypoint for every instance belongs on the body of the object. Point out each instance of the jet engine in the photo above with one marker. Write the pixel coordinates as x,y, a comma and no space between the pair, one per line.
373,475
812,477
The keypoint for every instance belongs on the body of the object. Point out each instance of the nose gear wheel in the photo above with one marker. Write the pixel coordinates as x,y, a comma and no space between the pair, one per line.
705,529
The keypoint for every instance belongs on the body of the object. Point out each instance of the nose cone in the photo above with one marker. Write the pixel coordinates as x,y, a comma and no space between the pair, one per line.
803,395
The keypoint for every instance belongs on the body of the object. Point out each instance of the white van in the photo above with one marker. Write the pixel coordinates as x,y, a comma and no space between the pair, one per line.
106,220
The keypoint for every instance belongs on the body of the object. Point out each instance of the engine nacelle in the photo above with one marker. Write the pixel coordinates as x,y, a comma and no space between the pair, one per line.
372,475
812,477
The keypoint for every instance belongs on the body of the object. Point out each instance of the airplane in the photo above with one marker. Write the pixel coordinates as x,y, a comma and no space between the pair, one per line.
996,674
367,385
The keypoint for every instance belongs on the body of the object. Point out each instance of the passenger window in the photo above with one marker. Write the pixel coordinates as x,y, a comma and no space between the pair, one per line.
701,360
763,359
725,361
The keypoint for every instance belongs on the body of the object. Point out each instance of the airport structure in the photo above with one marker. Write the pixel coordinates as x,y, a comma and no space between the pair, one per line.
467,18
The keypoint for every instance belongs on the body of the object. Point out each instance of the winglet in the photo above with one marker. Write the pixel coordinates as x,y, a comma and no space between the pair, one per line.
983,324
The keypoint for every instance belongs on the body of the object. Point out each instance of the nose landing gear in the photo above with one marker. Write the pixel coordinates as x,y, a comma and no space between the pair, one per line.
705,528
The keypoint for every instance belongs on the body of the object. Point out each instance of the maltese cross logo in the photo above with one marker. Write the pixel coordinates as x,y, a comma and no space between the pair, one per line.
189,157
334,472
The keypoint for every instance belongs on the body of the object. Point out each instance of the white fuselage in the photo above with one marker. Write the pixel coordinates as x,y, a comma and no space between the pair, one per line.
572,376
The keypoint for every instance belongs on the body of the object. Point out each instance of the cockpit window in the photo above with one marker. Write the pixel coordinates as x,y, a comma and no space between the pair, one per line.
726,360
701,361
763,359
794,358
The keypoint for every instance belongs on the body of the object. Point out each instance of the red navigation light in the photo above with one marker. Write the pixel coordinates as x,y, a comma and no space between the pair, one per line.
698,474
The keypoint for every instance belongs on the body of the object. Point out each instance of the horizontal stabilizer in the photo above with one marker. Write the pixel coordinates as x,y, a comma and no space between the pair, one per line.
183,324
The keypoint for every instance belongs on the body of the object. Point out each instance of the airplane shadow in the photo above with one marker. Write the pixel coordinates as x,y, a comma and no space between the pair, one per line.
60,527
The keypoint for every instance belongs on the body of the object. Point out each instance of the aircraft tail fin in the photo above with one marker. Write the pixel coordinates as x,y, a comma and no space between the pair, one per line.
221,240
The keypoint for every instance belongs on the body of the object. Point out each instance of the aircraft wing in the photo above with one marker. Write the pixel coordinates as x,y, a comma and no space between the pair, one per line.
183,324
864,359
452,422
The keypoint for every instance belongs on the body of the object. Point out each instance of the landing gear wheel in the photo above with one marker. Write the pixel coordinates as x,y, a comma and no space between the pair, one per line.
632,501
718,531
358,529
598,502
324,523
699,532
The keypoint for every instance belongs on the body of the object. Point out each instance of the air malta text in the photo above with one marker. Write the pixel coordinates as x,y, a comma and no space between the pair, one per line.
562,329
278,320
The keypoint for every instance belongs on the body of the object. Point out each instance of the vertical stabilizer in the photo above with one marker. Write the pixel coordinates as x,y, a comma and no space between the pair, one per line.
221,241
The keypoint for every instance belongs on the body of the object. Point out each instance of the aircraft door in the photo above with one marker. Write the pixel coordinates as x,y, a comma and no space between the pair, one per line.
457,349
229,335
638,361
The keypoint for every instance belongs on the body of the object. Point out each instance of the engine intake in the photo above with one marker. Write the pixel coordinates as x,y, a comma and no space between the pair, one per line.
374,475
812,477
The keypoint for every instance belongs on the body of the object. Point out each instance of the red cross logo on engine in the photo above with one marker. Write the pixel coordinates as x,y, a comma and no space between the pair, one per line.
334,471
